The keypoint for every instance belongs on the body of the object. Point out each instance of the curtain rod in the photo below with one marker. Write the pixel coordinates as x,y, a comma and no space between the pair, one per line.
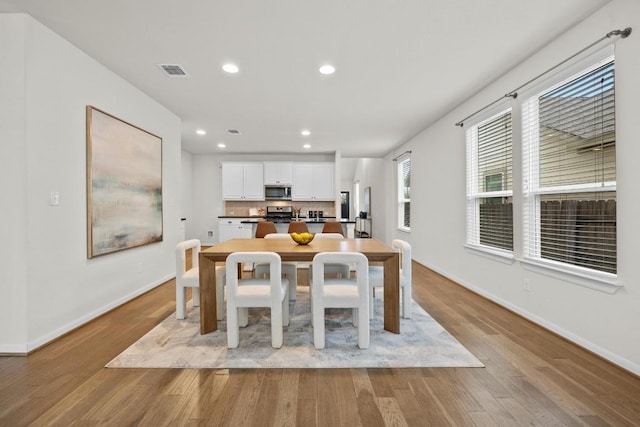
514,93
395,159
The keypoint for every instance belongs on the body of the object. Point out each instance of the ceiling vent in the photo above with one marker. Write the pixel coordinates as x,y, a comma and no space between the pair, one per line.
173,70
233,131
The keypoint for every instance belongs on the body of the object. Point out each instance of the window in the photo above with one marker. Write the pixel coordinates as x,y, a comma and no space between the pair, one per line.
404,194
489,184
569,173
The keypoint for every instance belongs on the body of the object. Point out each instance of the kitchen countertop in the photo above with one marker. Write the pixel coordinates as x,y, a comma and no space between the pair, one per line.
254,219
241,216
303,218
308,221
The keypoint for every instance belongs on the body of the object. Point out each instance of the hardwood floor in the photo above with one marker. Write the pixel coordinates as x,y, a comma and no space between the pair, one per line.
532,377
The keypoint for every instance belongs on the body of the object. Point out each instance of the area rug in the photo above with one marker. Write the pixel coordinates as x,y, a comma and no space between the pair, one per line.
178,343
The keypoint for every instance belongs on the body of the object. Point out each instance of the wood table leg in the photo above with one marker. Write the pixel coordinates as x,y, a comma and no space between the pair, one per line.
392,294
208,312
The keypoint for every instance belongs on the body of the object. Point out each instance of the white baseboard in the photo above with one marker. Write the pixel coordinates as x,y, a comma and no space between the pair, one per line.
576,339
32,345
14,350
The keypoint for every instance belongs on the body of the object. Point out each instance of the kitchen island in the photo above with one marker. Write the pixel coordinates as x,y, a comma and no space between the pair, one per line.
313,224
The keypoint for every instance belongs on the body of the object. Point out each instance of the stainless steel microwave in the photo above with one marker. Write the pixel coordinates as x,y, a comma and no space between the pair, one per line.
277,192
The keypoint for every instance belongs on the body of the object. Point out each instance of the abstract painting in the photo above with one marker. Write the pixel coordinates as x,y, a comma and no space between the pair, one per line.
124,185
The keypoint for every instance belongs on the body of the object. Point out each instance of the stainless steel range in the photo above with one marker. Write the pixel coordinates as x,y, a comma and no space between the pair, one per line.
279,213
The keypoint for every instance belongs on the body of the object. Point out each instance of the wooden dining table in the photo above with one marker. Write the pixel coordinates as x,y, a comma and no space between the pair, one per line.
373,249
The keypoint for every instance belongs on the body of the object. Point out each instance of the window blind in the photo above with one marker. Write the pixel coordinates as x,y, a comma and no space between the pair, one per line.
490,188
570,171
404,193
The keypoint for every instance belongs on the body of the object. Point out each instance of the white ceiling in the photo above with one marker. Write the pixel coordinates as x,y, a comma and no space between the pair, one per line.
401,64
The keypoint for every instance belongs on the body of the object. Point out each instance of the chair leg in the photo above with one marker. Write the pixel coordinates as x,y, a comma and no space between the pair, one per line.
220,301
318,328
312,306
195,296
292,275
372,294
181,296
276,325
233,330
363,328
243,316
285,311
406,302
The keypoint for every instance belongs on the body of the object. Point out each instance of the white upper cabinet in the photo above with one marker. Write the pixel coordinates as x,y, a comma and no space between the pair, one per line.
242,181
254,181
232,181
323,182
313,181
276,173
302,188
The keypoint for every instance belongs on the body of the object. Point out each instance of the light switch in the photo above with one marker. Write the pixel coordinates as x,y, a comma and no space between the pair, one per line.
54,198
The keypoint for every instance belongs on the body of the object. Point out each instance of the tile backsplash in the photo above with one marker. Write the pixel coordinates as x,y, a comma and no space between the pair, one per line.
233,208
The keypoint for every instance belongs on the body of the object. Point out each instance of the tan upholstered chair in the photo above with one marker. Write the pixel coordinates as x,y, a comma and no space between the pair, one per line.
298,227
332,227
264,228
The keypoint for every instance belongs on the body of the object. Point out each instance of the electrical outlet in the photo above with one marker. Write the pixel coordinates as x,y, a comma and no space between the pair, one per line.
54,198
210,233
526,285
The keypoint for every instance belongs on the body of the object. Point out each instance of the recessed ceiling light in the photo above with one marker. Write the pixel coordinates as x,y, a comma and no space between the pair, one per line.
307,145
201,132
222,145
305,132
327,69
230,68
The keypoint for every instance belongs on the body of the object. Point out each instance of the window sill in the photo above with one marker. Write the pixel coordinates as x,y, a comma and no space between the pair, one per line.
404,229
504,257
603,282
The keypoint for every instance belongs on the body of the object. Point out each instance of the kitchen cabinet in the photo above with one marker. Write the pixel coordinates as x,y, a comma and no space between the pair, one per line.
313,181
276,173
242,181
233,228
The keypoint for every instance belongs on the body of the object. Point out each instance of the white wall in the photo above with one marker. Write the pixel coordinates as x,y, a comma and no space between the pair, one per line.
207,197
13,173
606,324
62,288
186,174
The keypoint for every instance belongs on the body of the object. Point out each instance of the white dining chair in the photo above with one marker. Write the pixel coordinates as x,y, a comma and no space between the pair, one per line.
190,278
341,293
342,270
256,292
289,269
376,277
